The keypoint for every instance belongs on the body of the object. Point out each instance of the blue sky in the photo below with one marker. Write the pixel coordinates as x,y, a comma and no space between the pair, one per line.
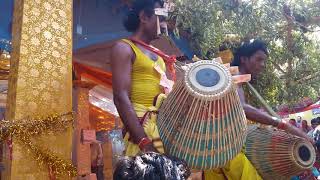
6,11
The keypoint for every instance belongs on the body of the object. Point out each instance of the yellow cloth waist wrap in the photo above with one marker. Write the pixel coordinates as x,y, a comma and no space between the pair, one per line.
149,124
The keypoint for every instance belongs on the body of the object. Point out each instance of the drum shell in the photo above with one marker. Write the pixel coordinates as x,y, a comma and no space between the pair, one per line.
205,132
275,154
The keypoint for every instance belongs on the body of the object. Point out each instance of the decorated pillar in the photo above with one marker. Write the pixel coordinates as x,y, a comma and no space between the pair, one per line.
40,85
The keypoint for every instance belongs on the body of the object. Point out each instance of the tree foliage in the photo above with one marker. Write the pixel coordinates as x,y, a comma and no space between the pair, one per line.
291,28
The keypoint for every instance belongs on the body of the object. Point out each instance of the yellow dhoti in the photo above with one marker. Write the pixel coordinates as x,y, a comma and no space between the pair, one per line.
149,118
239,168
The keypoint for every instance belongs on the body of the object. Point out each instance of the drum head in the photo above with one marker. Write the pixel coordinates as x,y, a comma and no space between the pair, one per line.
208,79
304,154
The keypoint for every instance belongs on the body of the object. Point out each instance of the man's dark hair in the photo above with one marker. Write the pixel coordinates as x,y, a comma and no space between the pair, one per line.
132,20
247,49
315,121
151,166
292,120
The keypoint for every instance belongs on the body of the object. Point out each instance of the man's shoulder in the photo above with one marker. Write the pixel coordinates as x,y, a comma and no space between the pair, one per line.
121,44
122,47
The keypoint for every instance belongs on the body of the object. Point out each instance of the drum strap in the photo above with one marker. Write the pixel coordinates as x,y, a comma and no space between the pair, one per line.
169,60
262,101
142,121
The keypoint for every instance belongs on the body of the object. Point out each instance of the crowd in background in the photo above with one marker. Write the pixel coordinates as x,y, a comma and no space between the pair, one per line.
312,130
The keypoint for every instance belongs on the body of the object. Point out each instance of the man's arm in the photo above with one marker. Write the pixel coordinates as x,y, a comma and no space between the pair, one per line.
121,64
254,114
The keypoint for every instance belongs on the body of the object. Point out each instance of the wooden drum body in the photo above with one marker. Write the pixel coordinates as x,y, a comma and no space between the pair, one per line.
278,155
202,120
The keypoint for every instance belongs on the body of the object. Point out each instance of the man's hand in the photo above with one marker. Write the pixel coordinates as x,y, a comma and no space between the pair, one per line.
295,131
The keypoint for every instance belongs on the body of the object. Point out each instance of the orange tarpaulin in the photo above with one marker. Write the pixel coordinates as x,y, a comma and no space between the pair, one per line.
99,119
94,74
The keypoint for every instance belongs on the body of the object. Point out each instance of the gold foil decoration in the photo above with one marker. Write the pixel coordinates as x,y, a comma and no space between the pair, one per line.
40,79
5,61
4,65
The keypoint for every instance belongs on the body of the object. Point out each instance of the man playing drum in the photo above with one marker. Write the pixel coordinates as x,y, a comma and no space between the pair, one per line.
250,58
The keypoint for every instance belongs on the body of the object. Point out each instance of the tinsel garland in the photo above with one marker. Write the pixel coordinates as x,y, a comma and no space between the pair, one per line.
60,167
24,129
35,126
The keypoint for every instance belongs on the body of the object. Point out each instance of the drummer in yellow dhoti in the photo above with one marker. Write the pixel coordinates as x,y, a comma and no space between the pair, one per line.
251,58
138,76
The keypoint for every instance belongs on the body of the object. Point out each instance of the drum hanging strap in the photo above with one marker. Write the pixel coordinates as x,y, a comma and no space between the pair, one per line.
147,115
142,121
262,101
169,60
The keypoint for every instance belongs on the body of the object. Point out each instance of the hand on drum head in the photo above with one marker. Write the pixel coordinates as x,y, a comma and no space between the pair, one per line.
295,131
